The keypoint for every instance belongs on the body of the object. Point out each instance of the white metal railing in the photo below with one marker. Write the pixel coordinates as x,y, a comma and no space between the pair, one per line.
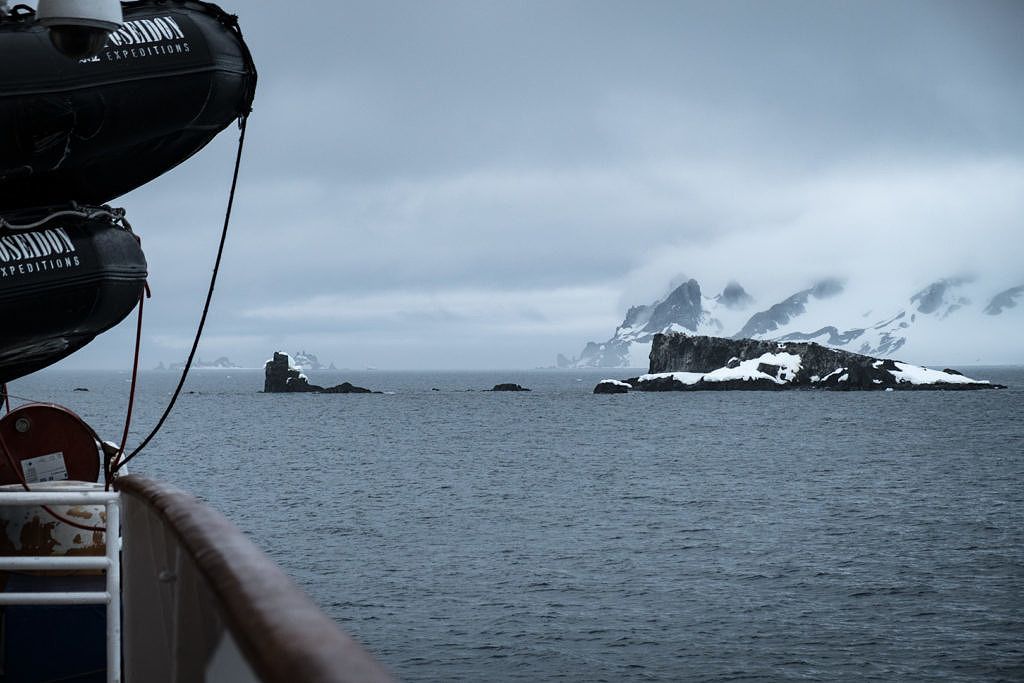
111,564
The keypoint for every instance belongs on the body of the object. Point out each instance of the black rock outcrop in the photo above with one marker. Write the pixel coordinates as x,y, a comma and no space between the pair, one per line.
277,374
509,387
344,388
611,386
281,378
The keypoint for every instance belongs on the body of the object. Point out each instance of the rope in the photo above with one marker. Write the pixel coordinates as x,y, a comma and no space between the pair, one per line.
108,473
27,399
24,485
108,470
114,214
206,307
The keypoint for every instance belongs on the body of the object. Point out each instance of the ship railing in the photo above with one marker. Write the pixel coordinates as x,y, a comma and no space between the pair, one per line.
203,603
190,598
108,563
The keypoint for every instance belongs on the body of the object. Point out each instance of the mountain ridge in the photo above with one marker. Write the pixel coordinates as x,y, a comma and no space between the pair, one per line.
946,310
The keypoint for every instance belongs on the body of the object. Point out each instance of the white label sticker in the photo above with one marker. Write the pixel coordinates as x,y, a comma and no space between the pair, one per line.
48,467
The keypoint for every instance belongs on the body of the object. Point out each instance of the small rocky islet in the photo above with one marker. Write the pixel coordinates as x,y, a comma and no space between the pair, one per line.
281,376
682,362
509,386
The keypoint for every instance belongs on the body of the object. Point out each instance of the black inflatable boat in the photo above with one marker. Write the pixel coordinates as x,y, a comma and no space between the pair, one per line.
172,77
66,274
77,133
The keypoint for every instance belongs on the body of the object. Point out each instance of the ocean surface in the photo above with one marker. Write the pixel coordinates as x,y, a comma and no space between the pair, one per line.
559,535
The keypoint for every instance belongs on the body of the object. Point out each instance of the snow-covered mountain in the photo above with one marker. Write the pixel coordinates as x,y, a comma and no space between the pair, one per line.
685,309
222,363
307,361
950,320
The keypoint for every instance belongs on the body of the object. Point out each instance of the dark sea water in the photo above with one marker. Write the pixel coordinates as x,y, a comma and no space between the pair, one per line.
558,535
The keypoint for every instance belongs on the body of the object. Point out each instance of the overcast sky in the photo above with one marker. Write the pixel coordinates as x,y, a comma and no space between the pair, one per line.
485,184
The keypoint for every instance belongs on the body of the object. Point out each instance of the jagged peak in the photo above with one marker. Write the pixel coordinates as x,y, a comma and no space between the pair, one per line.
689,290
829,287
677,282
683,306
734,297
783,312
637,315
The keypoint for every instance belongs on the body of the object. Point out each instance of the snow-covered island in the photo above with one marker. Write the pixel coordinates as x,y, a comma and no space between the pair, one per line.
681,362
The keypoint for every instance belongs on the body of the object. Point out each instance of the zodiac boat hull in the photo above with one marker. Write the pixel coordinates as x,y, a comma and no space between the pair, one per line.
165,84
62,283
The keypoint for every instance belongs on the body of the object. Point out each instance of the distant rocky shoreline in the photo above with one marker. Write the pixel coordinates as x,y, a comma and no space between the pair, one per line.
682,362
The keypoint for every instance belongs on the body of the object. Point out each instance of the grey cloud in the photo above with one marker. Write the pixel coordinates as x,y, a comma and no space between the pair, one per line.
501,147
408,89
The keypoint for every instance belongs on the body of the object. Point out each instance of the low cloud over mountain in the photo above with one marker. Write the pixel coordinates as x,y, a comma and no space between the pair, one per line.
951,319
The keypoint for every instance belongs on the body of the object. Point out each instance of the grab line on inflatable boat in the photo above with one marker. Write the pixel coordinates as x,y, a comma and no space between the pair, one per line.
116,215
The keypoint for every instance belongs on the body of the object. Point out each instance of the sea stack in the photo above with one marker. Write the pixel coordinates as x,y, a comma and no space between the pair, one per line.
281,376
278,372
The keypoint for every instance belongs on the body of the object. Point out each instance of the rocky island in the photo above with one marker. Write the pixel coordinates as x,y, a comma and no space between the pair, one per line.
282,376
509,386
682,362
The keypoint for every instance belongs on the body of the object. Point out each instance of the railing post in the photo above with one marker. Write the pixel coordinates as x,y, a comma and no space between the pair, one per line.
113,543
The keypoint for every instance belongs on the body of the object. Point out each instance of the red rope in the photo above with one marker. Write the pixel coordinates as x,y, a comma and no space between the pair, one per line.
124,439
111,464
24,485
110,467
